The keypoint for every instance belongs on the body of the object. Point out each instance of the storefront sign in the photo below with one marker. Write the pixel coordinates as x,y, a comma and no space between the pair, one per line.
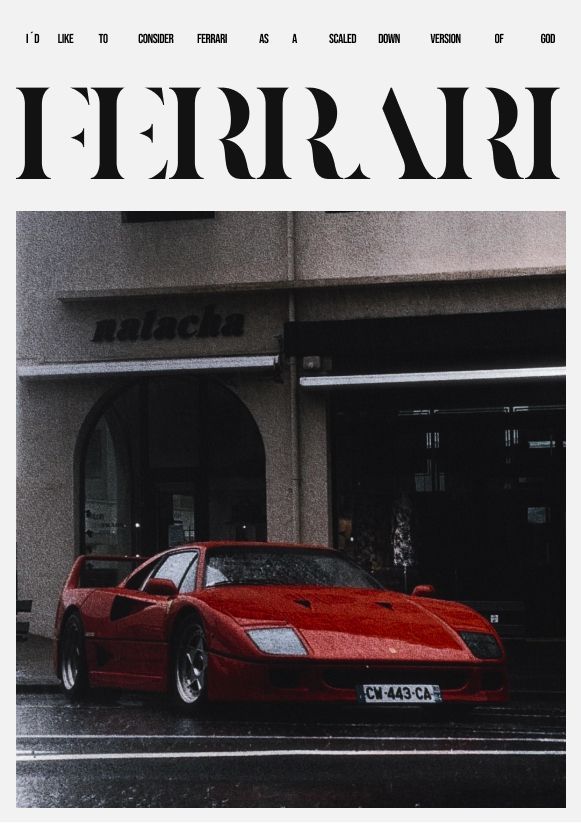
153,327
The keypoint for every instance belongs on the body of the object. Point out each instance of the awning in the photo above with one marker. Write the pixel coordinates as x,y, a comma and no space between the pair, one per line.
338,381
123,368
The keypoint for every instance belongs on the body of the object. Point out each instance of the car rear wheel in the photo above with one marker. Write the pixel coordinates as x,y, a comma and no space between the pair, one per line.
73,662
189,666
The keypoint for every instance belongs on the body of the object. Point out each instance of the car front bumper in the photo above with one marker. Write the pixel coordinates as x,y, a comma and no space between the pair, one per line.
232,679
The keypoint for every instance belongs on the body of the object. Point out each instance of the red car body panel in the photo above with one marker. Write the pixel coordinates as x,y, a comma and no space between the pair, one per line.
352,636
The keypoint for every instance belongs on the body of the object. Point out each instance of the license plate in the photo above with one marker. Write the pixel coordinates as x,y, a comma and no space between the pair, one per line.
391,693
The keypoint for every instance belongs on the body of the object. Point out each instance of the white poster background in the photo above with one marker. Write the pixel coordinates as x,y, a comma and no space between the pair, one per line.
358,77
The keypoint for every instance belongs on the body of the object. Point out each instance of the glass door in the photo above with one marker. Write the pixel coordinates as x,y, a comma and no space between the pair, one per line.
176,517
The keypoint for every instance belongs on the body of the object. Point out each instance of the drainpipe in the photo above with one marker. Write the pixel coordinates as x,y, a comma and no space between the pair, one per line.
293,383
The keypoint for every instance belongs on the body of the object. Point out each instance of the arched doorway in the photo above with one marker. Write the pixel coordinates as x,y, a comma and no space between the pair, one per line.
170,460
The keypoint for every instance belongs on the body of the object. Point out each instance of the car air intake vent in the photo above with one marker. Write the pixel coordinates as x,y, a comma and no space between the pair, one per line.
303,602
384,604
126,606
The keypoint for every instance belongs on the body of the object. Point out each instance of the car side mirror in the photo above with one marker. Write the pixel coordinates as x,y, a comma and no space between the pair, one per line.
423,591
161,586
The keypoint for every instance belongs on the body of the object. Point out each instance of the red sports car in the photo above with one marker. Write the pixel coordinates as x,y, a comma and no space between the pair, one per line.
269,622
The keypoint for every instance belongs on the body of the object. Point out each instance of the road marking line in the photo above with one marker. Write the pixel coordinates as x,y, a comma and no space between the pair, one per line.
286,753
285,737
557,715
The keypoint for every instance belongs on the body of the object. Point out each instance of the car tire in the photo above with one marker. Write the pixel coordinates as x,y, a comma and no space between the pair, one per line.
189,667
72,658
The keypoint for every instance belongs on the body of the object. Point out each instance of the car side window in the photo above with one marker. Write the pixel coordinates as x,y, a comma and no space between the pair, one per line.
137,580
175,566
189,580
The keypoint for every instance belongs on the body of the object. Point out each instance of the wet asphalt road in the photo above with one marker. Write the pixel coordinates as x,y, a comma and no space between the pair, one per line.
131,751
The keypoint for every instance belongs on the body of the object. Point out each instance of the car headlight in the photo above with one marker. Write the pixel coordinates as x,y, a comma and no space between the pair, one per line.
482,645
277,641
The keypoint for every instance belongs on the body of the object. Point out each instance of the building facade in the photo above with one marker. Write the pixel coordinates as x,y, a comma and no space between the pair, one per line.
391,383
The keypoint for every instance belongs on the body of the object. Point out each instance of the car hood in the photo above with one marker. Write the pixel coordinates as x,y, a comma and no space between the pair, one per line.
347,624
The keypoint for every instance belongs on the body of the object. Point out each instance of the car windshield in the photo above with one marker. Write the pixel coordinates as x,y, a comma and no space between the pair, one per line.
282,566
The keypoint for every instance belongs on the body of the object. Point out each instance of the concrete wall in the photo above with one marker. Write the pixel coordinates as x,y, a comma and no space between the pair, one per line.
96,251
315,484
398,244
269,403
410,300
50,416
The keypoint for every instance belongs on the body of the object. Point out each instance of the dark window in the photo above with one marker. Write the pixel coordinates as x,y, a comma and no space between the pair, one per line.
171,461
467,493
104,573
106,504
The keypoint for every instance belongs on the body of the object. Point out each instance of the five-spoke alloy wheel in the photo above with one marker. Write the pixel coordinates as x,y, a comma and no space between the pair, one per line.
189,666
73,665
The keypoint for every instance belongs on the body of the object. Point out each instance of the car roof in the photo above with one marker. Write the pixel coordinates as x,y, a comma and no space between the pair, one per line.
238,544
244,544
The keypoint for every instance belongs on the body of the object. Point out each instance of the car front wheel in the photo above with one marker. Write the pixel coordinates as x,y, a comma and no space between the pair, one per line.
73,664
189,666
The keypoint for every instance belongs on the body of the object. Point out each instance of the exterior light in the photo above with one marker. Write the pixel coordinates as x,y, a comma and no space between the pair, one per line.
311,363
284,641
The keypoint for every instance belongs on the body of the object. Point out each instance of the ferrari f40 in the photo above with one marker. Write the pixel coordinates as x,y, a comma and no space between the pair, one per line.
226,621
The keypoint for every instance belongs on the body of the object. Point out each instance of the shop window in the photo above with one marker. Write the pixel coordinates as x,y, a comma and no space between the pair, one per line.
106,504
510,438
432,440
469,498
183,513
431,480
538,515
170,461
